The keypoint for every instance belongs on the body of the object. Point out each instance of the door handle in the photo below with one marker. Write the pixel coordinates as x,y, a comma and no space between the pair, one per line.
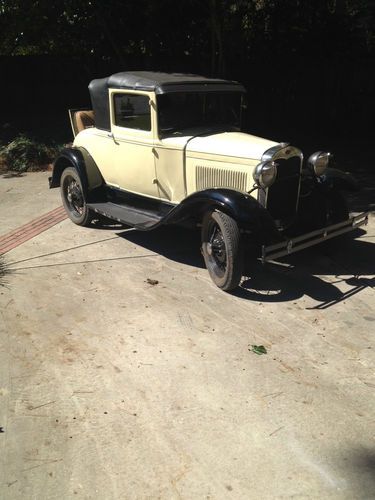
111,136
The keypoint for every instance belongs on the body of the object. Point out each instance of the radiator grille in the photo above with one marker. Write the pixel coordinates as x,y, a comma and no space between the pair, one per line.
207,177
282,196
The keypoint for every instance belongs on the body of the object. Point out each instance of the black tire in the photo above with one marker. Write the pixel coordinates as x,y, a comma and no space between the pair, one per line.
222,249
73,198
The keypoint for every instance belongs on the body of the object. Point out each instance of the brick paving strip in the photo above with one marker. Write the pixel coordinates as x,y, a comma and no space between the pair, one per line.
31,229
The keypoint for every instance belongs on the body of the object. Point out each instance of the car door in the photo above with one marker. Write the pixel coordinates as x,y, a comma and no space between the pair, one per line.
132,134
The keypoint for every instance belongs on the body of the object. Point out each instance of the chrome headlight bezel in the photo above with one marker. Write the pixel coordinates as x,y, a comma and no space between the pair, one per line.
265,173
318,162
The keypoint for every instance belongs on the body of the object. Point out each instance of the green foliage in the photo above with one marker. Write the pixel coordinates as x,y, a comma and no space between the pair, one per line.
24,153
4,271
215,29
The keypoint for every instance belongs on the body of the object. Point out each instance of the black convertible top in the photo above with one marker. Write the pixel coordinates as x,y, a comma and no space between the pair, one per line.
151,81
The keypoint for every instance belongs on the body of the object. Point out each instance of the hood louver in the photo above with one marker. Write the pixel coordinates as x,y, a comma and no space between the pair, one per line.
208,177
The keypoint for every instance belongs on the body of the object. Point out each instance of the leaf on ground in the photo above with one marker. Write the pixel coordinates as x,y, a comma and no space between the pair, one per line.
258,349
152,282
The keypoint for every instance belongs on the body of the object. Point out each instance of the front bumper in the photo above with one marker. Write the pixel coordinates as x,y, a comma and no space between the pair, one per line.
272,252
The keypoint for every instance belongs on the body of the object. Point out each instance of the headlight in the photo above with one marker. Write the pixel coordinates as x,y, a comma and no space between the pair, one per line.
319,162
265,173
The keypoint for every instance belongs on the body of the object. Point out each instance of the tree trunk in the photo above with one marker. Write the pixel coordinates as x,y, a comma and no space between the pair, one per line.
217,45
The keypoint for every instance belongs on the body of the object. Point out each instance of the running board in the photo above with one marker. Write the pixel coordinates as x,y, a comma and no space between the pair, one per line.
125,214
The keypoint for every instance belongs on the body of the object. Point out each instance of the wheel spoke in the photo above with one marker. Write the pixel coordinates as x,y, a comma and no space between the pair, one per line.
221,248
74,196
217,247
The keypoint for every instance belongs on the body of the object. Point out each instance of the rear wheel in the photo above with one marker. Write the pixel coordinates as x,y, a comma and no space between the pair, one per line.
222,249
73,198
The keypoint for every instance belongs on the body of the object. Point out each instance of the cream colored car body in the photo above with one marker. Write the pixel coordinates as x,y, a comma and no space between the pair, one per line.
198,177
171,168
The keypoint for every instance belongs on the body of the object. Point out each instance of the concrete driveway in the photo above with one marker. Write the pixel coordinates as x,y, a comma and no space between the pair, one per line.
114,388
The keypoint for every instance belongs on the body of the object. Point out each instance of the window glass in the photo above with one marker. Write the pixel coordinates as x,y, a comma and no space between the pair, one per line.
181,111
132,111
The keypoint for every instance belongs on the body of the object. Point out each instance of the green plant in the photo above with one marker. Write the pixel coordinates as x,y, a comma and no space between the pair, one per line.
24,153
4,270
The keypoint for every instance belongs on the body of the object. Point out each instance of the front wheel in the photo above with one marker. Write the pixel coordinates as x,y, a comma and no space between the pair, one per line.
72,197
222,249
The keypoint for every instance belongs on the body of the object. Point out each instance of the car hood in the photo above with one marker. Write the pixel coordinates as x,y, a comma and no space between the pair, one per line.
234,144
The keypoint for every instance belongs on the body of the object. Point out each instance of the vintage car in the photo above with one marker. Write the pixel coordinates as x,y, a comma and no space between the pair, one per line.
160,148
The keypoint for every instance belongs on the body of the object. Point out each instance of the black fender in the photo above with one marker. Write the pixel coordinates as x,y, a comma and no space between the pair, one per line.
243,208
336,179
80,159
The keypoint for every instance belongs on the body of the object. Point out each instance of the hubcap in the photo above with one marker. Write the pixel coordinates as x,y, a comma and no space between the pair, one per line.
74,196
216,247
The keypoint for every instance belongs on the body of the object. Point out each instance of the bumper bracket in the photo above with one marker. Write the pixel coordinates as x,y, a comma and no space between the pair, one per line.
272,252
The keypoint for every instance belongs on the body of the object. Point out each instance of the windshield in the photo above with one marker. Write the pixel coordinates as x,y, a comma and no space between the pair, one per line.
181,111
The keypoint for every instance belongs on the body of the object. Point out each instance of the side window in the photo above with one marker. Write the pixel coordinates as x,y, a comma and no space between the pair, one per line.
132,111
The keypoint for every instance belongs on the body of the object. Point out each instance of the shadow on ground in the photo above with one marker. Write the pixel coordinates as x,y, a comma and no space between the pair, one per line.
350,261
320,272
361,462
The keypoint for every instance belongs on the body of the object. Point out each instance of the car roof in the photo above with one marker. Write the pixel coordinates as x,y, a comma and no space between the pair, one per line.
151,81
162,82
